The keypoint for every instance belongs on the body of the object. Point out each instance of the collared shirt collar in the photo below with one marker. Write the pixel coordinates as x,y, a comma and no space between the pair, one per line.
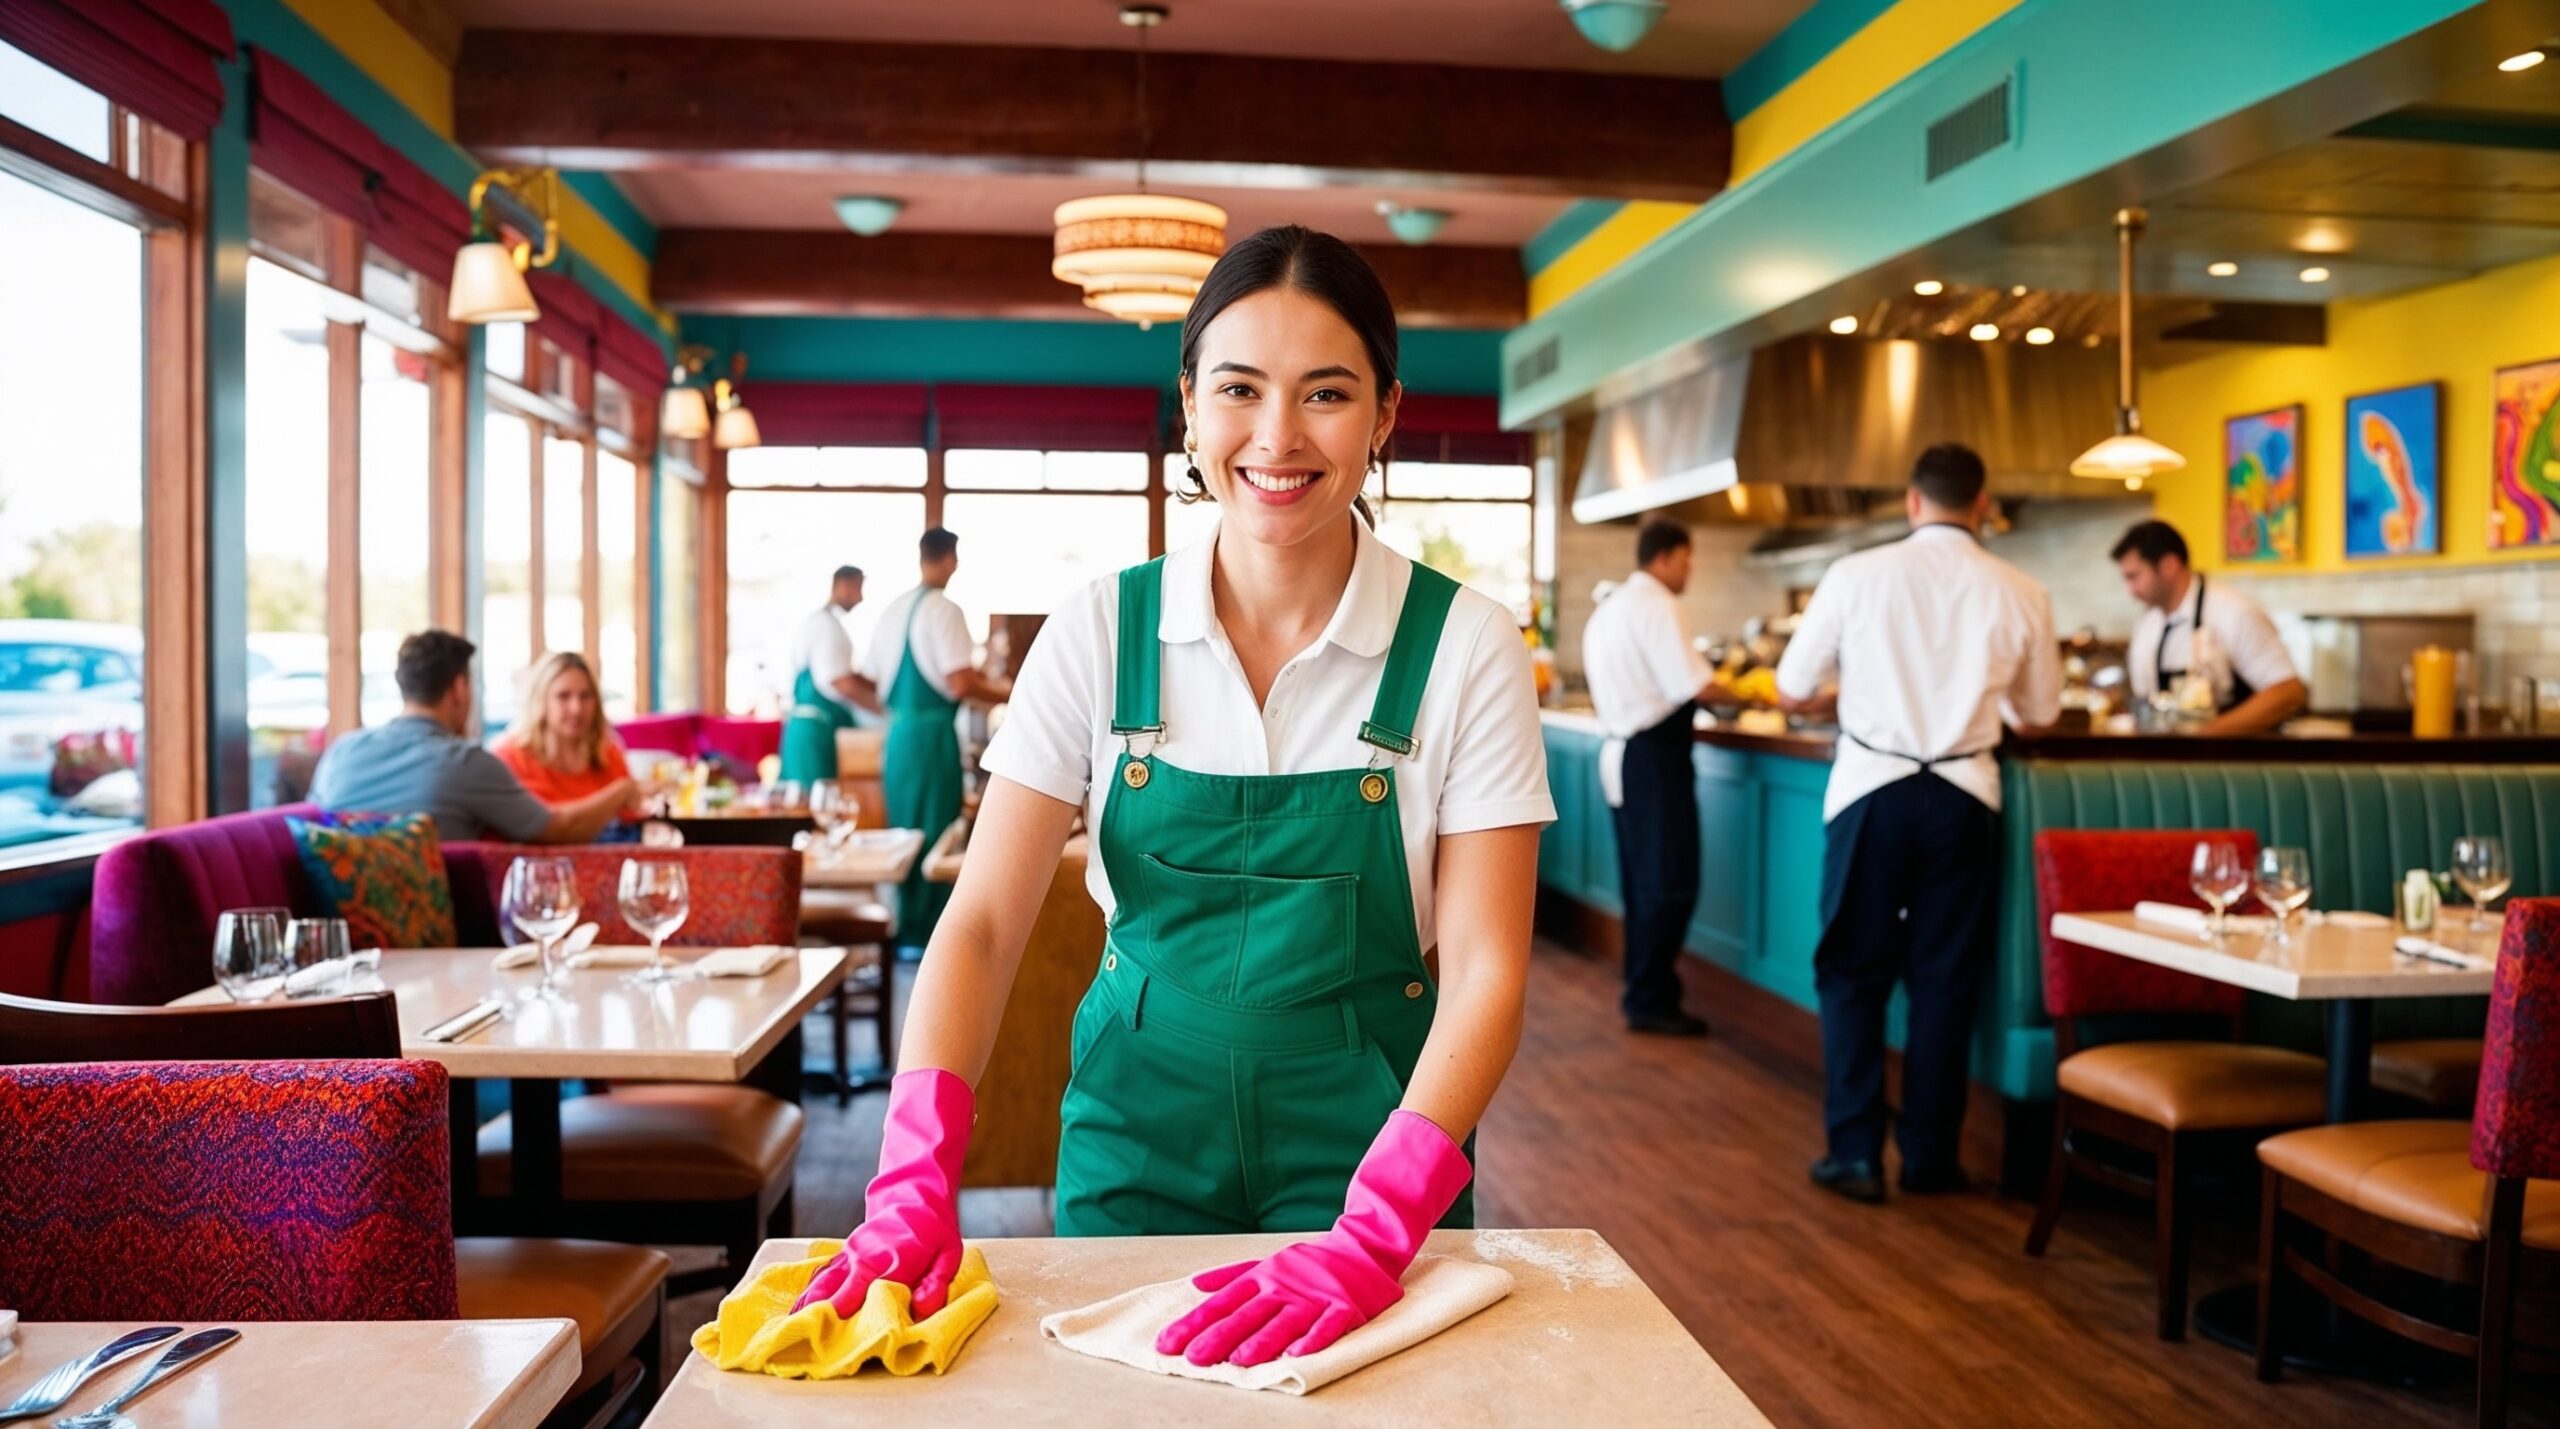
2189,606
1944,528
1364,622
1653,585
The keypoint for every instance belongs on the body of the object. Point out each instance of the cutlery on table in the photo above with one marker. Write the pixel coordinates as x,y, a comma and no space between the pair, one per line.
462,1024
56,1388
173,1360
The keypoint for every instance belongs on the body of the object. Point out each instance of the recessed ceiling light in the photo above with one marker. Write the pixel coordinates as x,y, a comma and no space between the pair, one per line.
2223,269
1844,325
2089,340
2315,275
2518,64
2019,291
1986,332
2039,336
1928,287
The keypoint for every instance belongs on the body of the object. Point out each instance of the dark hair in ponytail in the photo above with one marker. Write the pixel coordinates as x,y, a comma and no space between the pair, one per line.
1317,264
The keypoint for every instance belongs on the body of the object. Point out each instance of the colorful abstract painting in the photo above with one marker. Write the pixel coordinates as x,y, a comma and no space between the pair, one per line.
2262,487
2395,477
2524,470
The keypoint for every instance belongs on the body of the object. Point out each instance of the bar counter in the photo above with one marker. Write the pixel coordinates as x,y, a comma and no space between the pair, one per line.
2367,807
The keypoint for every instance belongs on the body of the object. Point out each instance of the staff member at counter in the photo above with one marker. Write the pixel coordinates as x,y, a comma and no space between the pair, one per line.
1646,678
824,689
2222,635
1933,642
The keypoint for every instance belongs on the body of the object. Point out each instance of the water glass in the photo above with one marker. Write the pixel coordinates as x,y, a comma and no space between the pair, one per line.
248,952
315,957
2283,883
655,901
2218,877
835,809
2480,866
542,901
784,796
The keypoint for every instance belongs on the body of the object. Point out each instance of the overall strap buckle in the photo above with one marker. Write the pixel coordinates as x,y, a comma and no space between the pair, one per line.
1389,727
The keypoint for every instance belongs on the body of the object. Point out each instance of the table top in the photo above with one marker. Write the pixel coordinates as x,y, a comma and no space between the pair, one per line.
485,1374
600,1024
1579,1340
2322,962
866,859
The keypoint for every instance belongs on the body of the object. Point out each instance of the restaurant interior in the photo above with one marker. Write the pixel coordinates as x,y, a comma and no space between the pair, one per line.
404,397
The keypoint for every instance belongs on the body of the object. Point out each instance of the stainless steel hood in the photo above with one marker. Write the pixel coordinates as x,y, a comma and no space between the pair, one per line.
1817,430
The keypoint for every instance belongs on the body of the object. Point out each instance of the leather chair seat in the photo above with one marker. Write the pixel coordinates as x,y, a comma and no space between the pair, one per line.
2199,1086
2442,1072
613,1292
844,916
2412,1173
659,1143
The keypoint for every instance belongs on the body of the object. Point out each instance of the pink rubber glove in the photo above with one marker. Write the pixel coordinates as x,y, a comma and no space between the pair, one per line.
910,1231
1308,1295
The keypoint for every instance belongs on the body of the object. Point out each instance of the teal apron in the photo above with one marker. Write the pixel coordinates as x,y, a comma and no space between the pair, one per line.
920,777
1262,998
809,731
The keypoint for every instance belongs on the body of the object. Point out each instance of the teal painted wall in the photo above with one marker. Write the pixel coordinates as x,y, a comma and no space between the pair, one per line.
1856,197
1445,361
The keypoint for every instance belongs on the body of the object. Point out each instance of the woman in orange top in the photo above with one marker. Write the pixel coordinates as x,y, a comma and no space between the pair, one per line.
562,752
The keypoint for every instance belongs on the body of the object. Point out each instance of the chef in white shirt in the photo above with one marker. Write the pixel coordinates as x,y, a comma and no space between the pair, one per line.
924,663
2191,627
1933,643
824,689
1646,678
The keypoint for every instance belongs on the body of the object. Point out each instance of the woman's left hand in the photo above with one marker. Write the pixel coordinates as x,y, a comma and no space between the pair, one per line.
1305,1296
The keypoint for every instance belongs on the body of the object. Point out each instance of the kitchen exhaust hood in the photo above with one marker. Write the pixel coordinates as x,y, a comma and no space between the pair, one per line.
1818,429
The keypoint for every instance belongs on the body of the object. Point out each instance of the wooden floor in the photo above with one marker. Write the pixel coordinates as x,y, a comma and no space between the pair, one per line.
1690,1157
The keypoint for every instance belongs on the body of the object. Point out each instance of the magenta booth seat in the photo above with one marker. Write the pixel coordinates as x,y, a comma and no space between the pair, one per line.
157,895
743,742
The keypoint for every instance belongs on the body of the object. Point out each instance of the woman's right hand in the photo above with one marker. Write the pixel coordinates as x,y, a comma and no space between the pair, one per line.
910,1232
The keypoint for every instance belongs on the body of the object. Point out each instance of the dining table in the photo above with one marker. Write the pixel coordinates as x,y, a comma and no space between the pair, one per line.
1580,1339
390,1374
597,1024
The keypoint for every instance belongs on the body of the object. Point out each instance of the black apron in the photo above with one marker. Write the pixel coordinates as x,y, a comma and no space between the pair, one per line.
2162,675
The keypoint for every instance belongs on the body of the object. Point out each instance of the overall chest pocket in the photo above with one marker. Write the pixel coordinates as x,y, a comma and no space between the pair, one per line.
1249,940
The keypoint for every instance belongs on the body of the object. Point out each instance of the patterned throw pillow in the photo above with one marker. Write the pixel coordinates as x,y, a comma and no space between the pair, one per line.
383,873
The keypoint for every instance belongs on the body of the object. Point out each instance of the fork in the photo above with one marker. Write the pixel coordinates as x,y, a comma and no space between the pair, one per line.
56,1388
172,1360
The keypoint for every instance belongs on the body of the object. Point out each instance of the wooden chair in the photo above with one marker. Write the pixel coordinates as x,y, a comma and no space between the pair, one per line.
283,1053
2172,1101
2475,1205
864,927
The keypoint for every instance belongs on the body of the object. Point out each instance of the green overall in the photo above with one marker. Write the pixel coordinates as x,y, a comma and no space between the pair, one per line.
1262,998
920,775
809,732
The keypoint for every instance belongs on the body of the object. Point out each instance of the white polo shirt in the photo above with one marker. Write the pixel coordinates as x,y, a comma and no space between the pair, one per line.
2239,638
825,650
1481,765
940,635
1934,642
1640,665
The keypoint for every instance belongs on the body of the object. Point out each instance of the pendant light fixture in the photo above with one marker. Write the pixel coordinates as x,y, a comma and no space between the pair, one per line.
734,427
1138,256
685,412
2128,456
488,272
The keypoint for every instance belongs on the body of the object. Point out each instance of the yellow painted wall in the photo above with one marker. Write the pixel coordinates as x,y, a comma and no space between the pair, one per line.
2456,333
1893,46
393,58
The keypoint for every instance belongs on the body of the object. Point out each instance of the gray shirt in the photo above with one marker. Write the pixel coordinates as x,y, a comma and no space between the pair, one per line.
415,765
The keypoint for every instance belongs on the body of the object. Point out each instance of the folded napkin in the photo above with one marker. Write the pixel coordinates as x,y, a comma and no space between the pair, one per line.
2351,918
2198,921
2435,952
758,1331
523,955
744,962
610,958
1438,1292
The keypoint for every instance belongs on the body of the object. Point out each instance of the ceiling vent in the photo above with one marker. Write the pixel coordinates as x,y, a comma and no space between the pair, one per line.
1972,129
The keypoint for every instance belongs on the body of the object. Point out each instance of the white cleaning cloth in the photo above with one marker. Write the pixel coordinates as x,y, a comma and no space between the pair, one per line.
1438,1292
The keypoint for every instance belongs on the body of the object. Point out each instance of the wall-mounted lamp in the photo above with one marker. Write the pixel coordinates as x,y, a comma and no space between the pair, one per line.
685,412
488,272
735,426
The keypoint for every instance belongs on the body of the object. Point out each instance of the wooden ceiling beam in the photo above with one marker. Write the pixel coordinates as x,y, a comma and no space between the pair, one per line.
784,272
614,102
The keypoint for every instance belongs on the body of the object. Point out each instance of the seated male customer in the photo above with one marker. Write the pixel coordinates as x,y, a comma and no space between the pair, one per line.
424,762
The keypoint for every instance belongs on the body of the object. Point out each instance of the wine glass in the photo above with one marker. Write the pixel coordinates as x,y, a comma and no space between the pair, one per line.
655,900
784,796
542,901
315,957
835,810
2480,866
2218,877
2283,883
248,952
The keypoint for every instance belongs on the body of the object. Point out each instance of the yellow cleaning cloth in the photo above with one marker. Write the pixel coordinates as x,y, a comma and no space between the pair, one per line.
760,1333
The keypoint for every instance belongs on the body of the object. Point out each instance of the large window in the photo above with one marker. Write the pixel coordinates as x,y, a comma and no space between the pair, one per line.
679,604
564,544
1036,526
71,495
395,507
783,548
618,576
288,513
507,562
